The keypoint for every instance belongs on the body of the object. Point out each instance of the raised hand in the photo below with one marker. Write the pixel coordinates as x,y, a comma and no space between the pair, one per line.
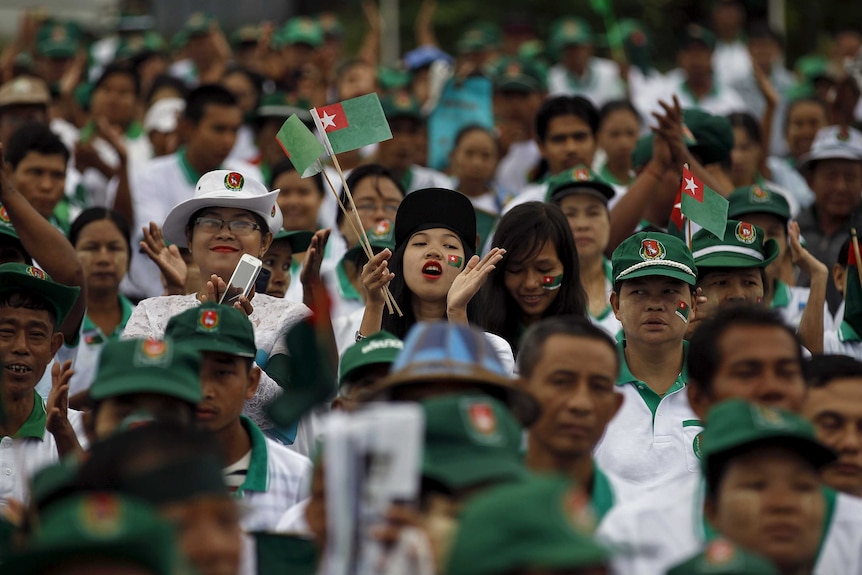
376,275
468,282
168,258
310,273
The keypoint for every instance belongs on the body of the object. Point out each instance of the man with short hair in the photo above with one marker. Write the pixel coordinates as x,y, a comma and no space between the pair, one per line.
266,476
33,434
834,406
743,353
210,123
571,366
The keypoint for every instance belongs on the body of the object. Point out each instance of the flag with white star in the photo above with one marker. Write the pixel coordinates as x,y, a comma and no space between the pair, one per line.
352,124
702,205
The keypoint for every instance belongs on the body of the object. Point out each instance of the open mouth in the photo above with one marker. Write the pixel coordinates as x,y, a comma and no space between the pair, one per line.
432,269
18,368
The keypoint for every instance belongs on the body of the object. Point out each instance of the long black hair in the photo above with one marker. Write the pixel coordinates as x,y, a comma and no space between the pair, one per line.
522,232
399,326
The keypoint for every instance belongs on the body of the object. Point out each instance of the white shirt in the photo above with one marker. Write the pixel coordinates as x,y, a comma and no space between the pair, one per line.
647,447
427,178
731,62
601,84
514,167
293,520
665,527
22,457
277,479
721,101
158,186
531,193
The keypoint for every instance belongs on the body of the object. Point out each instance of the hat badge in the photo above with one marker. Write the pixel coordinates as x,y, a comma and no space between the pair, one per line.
759,195
4,216
382,228
768,416
638,38
482,418
154,348
209,319
100,514
272,212
234,181
36,273
58,33
652,250
719,552
581,174
745,233
843,134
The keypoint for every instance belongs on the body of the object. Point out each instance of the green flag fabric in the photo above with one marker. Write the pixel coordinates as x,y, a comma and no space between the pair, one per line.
352,123
301,146
702,205
853,292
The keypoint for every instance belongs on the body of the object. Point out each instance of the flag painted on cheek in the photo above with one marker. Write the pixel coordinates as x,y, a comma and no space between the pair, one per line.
551,283
455,261
682,310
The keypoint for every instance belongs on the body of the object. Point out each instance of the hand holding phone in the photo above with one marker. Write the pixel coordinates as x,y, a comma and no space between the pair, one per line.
242,279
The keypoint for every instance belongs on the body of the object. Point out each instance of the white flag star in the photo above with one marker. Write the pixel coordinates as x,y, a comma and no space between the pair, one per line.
327,120
690,185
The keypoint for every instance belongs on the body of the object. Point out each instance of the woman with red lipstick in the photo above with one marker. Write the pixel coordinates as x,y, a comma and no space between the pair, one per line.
230,215
434,272
541,276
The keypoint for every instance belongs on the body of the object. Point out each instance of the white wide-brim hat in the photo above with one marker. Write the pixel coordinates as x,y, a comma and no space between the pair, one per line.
223,189
833,143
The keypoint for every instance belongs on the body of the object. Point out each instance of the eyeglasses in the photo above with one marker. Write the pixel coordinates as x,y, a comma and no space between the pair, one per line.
238,227
371,207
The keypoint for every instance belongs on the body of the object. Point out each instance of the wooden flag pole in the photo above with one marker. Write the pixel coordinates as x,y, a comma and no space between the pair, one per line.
854,241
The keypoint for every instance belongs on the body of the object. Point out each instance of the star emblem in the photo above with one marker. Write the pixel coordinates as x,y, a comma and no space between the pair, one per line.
328,120
690,185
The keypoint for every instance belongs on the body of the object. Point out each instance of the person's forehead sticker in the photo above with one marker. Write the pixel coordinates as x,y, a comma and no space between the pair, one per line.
652,250
209,320
36,273
152,352
101,515
719,552
745,233
759,195
234,181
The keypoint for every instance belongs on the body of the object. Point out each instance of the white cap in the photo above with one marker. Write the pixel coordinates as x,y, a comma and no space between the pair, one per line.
223,189
163,115
834,143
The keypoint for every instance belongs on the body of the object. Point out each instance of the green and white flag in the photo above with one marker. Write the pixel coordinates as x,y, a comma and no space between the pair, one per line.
301,146
702,205
351,124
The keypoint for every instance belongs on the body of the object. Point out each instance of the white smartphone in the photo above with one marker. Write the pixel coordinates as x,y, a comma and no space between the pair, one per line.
242,279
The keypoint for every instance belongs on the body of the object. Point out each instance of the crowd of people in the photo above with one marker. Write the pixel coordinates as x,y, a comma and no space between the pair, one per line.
573,375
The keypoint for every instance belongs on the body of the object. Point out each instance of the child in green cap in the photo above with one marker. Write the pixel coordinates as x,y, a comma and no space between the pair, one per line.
649,441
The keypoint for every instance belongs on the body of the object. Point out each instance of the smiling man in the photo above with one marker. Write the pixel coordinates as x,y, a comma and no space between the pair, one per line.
834,406
649,442
571,366
266,476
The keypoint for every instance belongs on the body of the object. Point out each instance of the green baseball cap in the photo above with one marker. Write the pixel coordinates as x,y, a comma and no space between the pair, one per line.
647,254
695,33
198,24
247,34
283,105
8,229
380,347
147,43
299,240
165,367
519,75
301,30
393,78
540,523
214,327
812,67
330,25
54,482
280,553
579,180
401,105
744,246
479,37
569,32
57,40
636,42
98,526
757,200
471,440
381,237
736,424
722,557
62,298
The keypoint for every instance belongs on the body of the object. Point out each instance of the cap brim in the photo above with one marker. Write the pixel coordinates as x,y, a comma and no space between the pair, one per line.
472,470
659,270
602,192
62,297
174,229
808,159
734,260
523,406
811,450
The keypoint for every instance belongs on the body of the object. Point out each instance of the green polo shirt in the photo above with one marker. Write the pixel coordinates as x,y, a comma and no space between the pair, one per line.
36,422
602,495
255,479
94,336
